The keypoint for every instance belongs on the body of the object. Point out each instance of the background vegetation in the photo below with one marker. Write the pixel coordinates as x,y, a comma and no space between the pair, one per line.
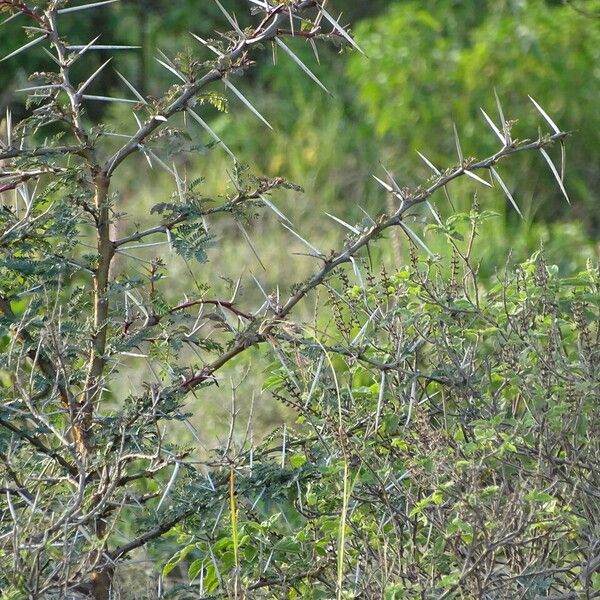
331,463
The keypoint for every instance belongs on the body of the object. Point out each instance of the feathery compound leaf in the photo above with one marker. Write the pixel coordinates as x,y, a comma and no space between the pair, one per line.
301,65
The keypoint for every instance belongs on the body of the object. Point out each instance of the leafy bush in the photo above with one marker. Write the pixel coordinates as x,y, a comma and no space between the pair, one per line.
446,444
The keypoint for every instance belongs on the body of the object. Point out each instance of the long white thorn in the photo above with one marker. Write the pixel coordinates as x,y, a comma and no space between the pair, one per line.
502,119
301,65
207,44
131,88
25,47
340,29
248,104
274,208
506,191
307,244
108,99
416,238
344,224
493,126
476,177
93,76
544,114
206,127
555,173
230,19
71,9
172,70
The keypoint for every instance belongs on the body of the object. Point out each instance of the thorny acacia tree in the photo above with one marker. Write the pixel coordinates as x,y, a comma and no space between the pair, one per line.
358,506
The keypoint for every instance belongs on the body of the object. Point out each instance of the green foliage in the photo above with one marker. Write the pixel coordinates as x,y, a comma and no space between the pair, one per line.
422,52
453,418
445,443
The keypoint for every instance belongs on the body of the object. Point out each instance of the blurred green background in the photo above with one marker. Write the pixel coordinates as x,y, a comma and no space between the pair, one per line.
429,64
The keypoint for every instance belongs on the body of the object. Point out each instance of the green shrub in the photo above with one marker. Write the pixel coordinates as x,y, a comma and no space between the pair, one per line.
446,444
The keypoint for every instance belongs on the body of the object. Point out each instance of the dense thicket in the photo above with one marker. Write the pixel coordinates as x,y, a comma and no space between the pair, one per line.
212,388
